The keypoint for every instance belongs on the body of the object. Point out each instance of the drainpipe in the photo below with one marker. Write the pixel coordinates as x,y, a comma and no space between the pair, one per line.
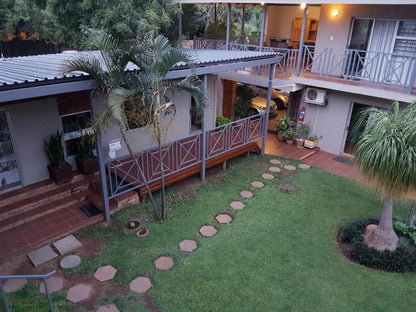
266,116
204,137
180,26
100,154
227,40
302,39
263,25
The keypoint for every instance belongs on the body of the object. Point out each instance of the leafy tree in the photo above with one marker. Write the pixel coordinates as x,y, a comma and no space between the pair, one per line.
385,151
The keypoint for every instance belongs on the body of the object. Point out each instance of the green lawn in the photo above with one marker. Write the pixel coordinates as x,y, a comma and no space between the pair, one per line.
278,254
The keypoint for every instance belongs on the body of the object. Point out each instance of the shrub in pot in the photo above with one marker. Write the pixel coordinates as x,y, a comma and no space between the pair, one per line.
86,161
59,170
290,135
282,127
303,131
312,141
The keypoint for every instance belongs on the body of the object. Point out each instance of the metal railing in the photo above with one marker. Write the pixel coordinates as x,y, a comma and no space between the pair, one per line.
124,175
44,277
396,71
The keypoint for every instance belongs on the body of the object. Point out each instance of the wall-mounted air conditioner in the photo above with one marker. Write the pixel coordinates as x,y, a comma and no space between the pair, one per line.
315,96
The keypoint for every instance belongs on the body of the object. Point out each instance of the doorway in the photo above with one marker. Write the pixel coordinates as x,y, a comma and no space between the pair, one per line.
349,142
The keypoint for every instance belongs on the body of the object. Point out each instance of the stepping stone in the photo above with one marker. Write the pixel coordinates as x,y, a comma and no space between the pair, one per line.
246,194
274,169
304,166
67,244
188,245
207,230
164,263
275,161
290,167
257,184
237,205
54,284
224,218
267,176
79,293
140,285
70,262
105,273
41,255
13,285
108,308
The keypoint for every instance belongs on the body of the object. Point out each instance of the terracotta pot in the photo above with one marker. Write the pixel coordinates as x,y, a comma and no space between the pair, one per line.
299,143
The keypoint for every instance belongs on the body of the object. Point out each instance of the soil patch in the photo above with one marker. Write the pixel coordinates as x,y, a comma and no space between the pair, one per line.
289,173
287,187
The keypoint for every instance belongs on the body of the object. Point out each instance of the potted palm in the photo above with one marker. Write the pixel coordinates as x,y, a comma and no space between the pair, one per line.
59,170
86,161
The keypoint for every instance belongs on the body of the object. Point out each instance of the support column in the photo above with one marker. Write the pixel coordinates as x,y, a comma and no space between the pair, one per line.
263,25
302,39
180,26
101,160
227,40
204,136
266,116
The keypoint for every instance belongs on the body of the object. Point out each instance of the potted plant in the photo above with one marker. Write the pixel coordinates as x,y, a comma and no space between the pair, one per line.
59,170
312,141
282,126
86,161
303,132
290,135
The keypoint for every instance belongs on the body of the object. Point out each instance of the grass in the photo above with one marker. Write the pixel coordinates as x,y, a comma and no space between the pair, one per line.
278,254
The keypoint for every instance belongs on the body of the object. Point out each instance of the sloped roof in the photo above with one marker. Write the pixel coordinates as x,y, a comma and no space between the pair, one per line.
315,2
47,69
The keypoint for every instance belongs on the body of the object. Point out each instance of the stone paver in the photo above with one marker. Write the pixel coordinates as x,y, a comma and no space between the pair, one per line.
54,284
257,184
304,166
267,176
275,161
70,262
67,244
290,167
79,293
237,205
188,245
13,285
223,218
108,308
164,263
246,194
207,230
105,273
140,284
274,169
41,255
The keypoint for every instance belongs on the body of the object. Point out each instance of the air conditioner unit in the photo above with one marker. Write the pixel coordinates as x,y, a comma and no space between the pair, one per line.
315,96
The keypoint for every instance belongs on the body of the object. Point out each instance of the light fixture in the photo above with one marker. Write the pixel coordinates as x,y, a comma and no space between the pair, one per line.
262,3
335,12
303,6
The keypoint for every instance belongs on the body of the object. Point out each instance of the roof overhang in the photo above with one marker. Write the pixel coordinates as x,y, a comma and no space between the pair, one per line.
314,2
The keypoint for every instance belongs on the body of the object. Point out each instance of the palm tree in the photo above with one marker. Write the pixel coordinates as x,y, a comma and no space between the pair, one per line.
385,151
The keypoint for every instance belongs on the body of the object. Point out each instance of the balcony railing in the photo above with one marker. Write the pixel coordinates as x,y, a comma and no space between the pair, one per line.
363,67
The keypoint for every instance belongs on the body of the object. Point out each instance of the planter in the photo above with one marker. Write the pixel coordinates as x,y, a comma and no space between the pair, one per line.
134,225
299,143
311,143
280,137
143,233
62,174
88,166
289,141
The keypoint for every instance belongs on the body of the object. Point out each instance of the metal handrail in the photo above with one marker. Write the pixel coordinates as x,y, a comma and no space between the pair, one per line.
44,277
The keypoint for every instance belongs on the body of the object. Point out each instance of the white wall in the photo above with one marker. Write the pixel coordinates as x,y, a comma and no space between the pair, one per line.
31,123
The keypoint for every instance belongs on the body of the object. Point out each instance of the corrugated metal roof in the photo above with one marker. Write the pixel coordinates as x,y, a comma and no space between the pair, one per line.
14,72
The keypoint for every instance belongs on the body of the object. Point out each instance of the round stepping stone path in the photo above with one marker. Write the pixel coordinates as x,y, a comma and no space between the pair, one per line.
290,167
54,284
246,194
13,285
188,245
79,293
207,230
275,161
257,184
105,273
304,166
238,205
267,176
164,263
70,262
274,169
140,285
224,218
108,308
